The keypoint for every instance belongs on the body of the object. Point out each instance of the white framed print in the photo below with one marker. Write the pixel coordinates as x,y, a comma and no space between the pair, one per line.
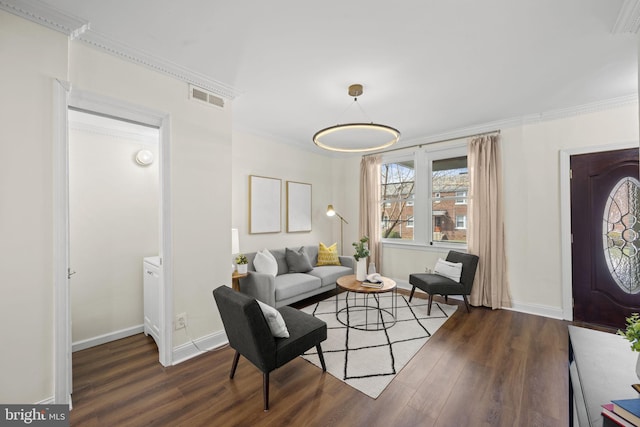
265,200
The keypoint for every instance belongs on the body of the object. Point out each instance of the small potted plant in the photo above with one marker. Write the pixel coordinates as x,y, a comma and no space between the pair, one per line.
362,252
241,263
632,334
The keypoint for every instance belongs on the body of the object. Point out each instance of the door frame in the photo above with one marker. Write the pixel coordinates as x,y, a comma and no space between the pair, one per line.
565,217
64,97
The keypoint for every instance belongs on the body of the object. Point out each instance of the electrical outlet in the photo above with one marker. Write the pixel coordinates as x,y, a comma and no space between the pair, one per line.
181,321
427,270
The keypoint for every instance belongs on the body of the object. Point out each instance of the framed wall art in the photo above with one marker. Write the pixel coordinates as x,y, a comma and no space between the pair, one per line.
264,204
298,207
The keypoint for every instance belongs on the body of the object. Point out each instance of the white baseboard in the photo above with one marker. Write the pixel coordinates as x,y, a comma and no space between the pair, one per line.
195,348
535,309
103,339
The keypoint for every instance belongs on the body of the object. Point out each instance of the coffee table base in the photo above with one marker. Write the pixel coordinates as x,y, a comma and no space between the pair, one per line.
381,318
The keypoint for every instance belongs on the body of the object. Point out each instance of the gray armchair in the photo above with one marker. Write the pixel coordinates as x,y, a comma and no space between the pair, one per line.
249,334
434,284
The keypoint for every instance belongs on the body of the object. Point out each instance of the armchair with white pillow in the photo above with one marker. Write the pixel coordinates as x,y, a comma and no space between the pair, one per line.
453,276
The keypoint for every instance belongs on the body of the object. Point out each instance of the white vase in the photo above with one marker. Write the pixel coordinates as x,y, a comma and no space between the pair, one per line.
638,366
242,268
361,269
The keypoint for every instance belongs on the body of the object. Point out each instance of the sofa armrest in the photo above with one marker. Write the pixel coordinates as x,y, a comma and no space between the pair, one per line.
260,286
347,261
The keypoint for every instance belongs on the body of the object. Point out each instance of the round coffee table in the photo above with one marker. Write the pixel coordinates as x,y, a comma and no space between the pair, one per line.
385,317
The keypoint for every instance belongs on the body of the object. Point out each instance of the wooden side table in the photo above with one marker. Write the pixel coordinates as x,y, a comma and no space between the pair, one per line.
235,280
351,284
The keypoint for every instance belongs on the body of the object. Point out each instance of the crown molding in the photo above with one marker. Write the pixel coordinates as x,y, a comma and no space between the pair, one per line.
628,20
578,110
77,28
563,113
147,60
45,15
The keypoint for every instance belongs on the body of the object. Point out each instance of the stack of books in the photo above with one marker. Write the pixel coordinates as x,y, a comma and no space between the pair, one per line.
624,412
373,280
368,284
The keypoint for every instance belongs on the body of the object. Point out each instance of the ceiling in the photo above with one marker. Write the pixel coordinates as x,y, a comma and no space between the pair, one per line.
428,68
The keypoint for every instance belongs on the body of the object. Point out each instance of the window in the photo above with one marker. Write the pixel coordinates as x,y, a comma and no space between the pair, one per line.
424,196
410,221
461,197
385,221
397,182
450,181
461,221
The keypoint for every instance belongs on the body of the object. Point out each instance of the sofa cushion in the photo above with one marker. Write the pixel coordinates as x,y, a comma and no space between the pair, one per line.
265,262
328,274
328,255
293,284
297,260
279,255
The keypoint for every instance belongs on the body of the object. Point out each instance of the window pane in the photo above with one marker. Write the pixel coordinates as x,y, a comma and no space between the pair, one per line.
449,195
397,193
621,234
396,224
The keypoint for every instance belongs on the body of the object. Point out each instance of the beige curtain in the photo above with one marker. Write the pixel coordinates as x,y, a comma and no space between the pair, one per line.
370,206
486,223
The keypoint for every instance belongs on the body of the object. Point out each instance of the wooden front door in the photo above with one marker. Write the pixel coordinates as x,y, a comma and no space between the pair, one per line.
605,226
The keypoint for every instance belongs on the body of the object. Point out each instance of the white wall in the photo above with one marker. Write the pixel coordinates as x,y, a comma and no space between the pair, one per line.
32,57
256,155
200,190
114,223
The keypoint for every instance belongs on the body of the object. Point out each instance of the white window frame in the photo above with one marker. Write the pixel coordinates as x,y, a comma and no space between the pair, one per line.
398,158
423,195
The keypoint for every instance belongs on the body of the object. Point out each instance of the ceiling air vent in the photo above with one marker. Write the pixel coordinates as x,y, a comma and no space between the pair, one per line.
202,95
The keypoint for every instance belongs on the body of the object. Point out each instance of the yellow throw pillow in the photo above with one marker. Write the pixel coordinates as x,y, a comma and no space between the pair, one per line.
328,255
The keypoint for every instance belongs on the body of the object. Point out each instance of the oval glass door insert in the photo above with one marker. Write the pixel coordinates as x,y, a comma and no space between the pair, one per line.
621,234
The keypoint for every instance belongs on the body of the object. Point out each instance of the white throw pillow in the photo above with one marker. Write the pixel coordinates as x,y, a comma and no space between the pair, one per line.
452,270
275,321
265,262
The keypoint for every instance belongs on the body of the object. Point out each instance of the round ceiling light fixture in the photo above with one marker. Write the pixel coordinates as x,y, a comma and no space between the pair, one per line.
144,157
356,137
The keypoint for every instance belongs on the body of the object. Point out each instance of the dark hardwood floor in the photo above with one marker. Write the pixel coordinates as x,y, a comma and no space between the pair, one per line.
486,368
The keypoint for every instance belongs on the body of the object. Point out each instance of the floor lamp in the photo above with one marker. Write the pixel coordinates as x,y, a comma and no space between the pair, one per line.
332,212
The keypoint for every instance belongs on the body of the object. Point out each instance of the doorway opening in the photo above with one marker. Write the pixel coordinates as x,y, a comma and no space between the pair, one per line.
66,100
114,216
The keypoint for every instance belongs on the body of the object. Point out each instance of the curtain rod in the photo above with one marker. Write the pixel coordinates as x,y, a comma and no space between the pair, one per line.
433,142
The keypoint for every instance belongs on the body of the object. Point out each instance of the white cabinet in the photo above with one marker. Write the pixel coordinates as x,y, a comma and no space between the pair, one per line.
151,270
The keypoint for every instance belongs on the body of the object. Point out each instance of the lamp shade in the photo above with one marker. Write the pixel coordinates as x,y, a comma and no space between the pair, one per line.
330,210
235,241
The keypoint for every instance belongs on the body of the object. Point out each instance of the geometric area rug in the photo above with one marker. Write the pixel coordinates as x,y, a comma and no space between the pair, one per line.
369,360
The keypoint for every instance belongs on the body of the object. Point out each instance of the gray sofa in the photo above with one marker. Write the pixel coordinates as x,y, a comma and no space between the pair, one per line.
287,288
